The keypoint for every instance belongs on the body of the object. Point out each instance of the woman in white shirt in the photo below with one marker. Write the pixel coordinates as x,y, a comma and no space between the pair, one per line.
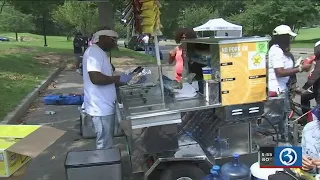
281,67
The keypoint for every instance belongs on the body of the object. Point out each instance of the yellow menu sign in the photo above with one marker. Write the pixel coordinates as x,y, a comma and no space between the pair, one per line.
243,72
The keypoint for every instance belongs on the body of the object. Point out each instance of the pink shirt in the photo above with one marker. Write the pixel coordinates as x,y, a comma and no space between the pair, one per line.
179,64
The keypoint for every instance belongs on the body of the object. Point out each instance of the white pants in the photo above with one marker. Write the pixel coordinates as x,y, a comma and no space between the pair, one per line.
104,127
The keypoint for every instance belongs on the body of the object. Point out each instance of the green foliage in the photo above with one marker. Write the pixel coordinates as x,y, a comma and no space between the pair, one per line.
12,20
170,12
262,18
40,10
121,29
37,8
195,15
82,16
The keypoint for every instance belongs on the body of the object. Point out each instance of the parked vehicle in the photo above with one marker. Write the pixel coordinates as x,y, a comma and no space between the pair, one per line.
4,39
134,43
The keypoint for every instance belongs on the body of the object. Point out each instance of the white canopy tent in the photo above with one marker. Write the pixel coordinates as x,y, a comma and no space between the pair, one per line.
222,28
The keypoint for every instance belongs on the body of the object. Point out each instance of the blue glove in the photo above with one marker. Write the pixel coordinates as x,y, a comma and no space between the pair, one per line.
125,78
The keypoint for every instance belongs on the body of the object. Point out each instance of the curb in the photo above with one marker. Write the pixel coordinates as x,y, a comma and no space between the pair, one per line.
25,103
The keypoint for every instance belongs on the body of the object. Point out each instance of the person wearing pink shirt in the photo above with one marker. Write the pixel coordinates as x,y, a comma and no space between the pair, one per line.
175,55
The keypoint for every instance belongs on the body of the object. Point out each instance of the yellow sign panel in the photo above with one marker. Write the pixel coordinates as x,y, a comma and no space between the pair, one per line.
243,72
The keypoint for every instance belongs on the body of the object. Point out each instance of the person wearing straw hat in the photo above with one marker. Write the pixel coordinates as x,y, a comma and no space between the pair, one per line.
99,86
281,67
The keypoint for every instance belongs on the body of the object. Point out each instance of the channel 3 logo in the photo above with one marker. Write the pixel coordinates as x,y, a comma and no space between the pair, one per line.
288,157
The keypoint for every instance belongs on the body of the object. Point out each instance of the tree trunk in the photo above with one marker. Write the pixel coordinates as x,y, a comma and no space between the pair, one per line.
106,14
17,37
44,29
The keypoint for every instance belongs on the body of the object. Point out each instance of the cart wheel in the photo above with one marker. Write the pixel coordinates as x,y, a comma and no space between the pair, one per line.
182,172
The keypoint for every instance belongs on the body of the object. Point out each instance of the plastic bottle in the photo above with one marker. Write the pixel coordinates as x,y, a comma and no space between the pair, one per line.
235,170
214,174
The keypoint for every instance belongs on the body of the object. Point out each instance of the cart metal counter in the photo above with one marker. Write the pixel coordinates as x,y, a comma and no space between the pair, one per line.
212,125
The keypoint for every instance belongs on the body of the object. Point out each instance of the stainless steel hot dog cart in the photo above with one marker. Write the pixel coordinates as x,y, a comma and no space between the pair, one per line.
183,137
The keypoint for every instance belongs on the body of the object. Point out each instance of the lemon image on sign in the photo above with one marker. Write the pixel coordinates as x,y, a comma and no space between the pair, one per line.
256,59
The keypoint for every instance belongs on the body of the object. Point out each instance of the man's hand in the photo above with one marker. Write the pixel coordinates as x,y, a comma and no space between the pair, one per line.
316,163
300,91
173,52
307,163
125,78
306,67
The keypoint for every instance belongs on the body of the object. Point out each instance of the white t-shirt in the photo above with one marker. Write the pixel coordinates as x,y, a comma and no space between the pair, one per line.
145,39
277,59
99,100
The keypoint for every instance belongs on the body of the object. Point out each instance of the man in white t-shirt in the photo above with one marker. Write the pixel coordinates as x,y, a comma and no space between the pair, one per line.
99,86
145,40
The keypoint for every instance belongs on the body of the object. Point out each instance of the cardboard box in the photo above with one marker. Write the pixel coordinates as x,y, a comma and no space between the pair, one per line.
20,143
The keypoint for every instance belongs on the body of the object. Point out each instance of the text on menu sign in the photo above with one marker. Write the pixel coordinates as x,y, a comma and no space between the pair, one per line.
233,51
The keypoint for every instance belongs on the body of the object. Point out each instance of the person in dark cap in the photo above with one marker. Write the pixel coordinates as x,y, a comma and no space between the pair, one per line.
78,50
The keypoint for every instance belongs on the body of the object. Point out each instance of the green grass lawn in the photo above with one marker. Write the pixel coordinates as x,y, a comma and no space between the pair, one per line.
307,38
21,70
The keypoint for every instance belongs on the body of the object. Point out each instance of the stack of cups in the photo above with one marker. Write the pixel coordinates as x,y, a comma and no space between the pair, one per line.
207,73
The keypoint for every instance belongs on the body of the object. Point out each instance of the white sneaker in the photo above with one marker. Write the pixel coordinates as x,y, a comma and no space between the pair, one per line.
78,71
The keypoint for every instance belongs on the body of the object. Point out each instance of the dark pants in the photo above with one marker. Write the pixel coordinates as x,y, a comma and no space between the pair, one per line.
305,101
305,106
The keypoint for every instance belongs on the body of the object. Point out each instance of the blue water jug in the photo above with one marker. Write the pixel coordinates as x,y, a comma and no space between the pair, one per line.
235,170
214,174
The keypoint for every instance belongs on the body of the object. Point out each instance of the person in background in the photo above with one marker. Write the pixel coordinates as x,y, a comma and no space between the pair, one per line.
226,34
85,42
314,79
90,40
145,40
281,67
99,86
175,55
310,144
151,47
78,45
306,97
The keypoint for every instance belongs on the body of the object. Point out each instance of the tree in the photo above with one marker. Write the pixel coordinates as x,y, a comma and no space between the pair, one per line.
170,12
12,20
82,16
262,18
195,15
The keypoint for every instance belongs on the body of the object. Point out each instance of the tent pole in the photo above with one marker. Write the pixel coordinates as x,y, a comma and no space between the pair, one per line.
156,46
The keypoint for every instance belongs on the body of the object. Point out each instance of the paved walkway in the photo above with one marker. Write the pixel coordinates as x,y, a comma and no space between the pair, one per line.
50,164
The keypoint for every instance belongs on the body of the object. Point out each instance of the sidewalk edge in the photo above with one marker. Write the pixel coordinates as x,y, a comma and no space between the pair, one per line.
25,103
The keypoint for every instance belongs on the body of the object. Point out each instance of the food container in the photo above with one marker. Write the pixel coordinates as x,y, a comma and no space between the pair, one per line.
207,73
140,77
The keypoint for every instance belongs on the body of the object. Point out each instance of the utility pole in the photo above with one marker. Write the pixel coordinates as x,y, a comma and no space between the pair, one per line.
254,3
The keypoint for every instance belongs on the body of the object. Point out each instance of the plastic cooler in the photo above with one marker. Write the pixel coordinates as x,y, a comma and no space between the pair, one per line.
86,126
262,173
94,165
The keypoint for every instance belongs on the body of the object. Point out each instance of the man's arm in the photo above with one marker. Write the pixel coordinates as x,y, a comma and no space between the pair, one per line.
94,67
98,78
314,77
